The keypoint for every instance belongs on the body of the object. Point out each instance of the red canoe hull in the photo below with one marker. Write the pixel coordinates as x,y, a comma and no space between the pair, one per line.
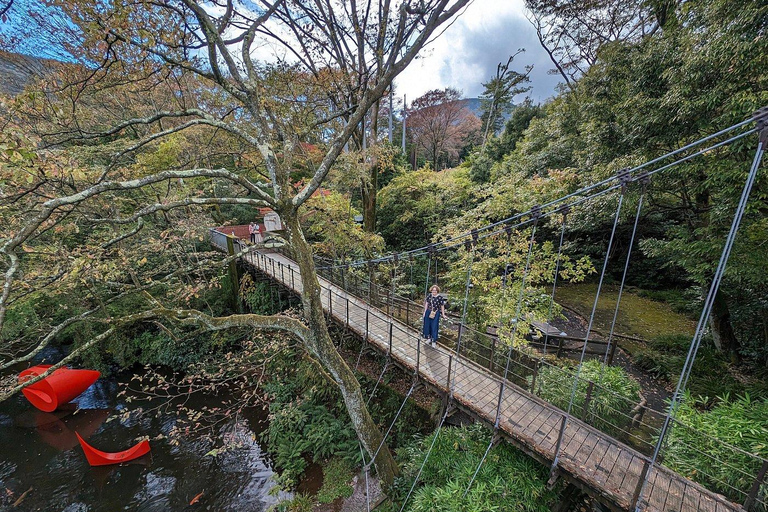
60,387
99,458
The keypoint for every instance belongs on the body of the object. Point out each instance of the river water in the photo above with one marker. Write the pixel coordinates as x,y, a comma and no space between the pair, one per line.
40,456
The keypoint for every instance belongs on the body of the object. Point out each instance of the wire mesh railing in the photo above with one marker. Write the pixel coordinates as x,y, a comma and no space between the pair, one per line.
388,320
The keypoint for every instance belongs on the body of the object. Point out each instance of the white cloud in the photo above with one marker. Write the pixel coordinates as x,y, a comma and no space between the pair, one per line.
466,54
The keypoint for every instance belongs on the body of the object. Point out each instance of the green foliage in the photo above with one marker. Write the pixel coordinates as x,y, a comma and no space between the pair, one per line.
508,479
415,205
299,503
337,474
518,123
258,296
700,454
614,394
330,224
307,420
490,301
711,375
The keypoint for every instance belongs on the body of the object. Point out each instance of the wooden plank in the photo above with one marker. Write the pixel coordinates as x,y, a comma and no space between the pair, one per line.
601,464
706,503
722,507
550,439
657,489
537,418
545,423
691,497
632,477
674,501
619,470
600,460
584,452
517,417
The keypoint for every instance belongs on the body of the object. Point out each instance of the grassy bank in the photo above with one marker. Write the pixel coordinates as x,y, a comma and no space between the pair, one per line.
638,316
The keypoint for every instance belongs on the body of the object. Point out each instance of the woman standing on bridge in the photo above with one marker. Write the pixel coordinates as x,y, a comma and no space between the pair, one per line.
434,307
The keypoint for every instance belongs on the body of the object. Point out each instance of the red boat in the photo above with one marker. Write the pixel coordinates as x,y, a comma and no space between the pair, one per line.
99,458
61,386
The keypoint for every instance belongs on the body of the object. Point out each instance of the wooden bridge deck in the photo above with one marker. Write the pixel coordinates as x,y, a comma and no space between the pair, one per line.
596,462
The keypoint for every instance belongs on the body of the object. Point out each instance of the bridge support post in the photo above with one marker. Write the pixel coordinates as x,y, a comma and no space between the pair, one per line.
389,351
407,314
493,352
234,277
563,423
587,400
418,357
535,374
756,486
639,486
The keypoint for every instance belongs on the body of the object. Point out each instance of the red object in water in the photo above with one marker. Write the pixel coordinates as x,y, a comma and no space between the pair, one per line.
99,458
57,389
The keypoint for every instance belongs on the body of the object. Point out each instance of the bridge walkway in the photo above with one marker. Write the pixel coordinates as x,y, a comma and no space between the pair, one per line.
599,464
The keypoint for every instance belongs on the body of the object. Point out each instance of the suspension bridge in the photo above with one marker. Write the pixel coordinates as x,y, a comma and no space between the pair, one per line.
616,455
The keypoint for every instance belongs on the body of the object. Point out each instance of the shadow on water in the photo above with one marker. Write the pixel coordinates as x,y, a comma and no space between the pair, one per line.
39,451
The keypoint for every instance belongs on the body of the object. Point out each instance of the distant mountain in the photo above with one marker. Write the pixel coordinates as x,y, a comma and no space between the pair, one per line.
17,70
473,104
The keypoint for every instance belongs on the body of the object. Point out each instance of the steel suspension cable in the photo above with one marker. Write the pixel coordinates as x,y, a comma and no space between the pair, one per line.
381,375
601,183
577,375
467,286
608,348
429,266
426,458
709,302
392,425
554,279
518,312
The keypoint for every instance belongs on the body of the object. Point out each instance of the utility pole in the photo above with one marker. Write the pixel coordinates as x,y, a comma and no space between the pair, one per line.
405,116
390,114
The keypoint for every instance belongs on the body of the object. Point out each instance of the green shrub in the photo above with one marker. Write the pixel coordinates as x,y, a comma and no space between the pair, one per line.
711,375
508,480
660,365
613,397
299,503
308,420
695,445
336,477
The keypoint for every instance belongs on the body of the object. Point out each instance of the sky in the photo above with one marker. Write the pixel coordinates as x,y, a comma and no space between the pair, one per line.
463,56
467,53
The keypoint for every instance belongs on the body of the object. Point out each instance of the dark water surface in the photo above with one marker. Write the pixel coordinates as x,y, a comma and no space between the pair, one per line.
39,451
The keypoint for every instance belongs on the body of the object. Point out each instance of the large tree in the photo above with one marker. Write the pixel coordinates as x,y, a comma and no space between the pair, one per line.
496,100
572,33
441,125
268,75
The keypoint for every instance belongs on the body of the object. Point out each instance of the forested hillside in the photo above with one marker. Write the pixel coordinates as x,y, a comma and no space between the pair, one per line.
171,123
703,70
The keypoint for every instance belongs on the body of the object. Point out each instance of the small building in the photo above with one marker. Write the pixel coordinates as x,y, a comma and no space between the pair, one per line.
272,221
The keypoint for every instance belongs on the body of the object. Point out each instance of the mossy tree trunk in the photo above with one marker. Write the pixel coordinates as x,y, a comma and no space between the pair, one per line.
319,344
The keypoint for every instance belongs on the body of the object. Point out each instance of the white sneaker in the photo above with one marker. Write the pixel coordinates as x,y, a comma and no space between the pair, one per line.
433,343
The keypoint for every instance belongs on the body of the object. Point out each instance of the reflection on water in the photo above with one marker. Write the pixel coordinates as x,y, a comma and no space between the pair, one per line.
39,451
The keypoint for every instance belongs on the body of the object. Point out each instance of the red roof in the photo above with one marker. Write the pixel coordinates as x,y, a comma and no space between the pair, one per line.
239,231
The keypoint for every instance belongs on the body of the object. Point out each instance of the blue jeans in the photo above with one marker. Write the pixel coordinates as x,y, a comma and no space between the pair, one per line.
431,325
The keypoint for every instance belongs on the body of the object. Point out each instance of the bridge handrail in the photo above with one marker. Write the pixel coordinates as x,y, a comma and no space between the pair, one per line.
760,497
